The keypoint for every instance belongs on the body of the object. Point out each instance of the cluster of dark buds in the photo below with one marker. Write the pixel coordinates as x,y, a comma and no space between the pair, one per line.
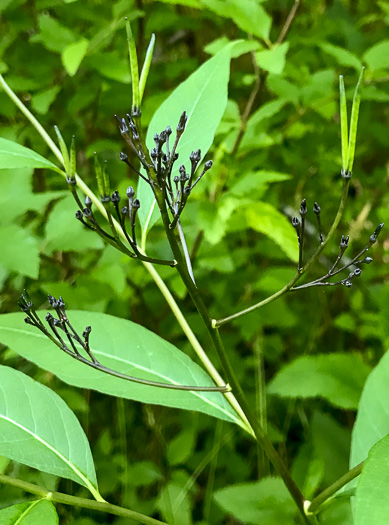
124,215
159,162
354,263
61,332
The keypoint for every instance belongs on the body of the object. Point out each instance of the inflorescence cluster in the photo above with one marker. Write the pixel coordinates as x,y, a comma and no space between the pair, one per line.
299,225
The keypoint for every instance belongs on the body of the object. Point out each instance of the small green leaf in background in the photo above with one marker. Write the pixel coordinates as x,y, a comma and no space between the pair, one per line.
204,97
246,14
372,423
42,101
73,55
13,155
19,250
264,218
273,60
338,378
266,502
52,34
38,429
124,346
371,505
342,56
39,512
377,57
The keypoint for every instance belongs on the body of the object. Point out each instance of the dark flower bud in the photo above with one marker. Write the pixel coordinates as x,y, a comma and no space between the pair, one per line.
49,318
377,231
182,170
123,126
154,153
162,137
366,260
187,191
136,204
195,156
303,208
115,197
182,122
176,179
168,131
86,332
88,202
156,139
60,302
316,208
347,283
79,215
87,213
27,320
208,165
346,174
123,157
357,272
124,210
130,192
295,222
344,242
104,199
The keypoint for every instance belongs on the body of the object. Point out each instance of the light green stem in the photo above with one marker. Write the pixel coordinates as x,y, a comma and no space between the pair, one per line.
149,267
66,499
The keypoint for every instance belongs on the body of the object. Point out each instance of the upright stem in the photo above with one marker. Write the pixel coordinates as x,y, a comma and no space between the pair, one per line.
228,369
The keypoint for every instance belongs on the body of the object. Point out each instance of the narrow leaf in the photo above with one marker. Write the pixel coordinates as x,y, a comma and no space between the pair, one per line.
38,429
126,347
343,122
354,123
13,155
133,65
146,68
30,513
371,503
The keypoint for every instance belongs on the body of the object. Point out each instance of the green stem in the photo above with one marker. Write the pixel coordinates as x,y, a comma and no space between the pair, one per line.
228,369
66,499
219,322
316,503
242,421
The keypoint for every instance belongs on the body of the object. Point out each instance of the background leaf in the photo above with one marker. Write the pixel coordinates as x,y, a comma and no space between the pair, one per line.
339,378
267,502
371,503
13,155
19,250
38,429
30,513
126,347
73,55
204,97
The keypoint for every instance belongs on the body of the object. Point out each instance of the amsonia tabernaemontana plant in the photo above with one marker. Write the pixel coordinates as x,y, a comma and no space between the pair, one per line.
121,358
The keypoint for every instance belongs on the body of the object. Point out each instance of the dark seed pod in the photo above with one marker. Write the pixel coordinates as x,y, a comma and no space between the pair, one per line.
295,222
303,208
316,208
344,242
115,197
130,192
79,215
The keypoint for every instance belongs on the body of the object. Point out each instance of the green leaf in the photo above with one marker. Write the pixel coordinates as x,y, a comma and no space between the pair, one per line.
124,346
73,55
13,155
246,14
372,422
377,56
42,101
30,513
19,250
342,56
264,218
53,35
371,503
38,429
273,60
339,378
266,502
204,97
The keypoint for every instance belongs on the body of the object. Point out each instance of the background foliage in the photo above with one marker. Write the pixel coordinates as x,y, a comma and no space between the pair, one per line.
67,60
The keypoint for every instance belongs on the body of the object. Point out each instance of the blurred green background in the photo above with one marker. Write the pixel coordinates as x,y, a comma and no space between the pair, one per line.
67,61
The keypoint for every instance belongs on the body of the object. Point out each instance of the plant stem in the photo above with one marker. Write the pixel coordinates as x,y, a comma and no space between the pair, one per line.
66,499
299,274
228,369
316,503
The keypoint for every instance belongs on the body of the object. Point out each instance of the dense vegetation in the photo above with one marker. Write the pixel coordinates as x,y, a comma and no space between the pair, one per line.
302,360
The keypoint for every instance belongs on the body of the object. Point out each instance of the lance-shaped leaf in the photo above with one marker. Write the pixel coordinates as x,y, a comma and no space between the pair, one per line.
13,155
125,347
204,97
38,429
